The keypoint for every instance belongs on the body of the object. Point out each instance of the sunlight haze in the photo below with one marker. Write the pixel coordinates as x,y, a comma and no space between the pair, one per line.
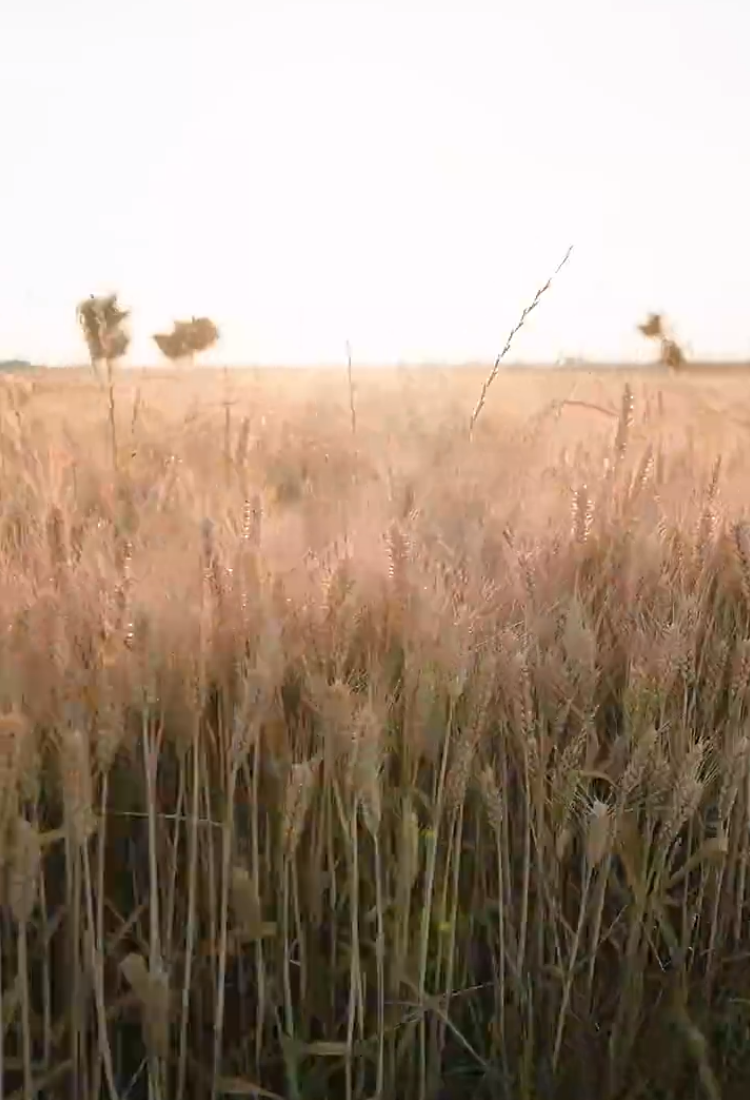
399,175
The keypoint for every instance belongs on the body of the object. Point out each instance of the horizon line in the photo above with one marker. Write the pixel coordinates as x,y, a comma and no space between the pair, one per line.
18,365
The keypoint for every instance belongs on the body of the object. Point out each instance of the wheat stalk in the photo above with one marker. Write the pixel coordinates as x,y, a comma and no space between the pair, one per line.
511,336
350,380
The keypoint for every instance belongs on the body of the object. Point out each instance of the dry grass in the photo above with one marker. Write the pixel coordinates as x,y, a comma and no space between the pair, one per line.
381,763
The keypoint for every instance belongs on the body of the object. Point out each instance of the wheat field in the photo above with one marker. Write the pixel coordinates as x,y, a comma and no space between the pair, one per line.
343,754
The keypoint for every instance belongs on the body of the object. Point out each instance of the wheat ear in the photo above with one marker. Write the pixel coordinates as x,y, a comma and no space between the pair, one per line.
511,337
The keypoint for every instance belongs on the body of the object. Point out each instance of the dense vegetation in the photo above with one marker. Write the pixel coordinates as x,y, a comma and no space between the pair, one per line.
383,762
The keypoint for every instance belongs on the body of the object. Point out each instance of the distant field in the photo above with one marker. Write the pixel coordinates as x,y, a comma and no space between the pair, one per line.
342,754
402,407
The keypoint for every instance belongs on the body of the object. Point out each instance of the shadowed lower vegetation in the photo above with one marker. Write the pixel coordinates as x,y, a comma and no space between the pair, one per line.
377,763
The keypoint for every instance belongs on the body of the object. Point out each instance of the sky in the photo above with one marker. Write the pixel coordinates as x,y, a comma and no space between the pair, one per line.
398,174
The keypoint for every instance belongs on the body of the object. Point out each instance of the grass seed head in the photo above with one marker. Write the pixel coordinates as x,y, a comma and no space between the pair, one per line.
686,794
624,423
643,754
75,770
491,798
15,735
582,514
24,870
460,769
152,991
244,899
366,765
598,833
299,793
409,852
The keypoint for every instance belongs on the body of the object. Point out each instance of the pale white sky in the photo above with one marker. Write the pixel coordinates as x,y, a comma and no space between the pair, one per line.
397,173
